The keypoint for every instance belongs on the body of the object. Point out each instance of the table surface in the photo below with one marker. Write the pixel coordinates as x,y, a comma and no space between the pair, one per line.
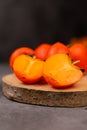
19,116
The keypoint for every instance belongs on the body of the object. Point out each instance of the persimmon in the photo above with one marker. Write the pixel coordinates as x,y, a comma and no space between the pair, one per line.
28,69
77,40
58,47
19,51
60,72
42,50
79,52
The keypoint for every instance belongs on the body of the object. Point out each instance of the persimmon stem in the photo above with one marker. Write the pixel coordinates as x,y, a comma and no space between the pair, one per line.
34,57
75,62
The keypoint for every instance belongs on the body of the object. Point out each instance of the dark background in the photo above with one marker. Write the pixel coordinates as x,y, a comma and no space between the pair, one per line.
31,22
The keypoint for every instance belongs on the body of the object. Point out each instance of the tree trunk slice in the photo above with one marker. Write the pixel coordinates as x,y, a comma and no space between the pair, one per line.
44,94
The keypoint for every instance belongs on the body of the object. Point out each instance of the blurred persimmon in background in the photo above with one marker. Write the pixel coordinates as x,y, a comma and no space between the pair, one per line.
78,40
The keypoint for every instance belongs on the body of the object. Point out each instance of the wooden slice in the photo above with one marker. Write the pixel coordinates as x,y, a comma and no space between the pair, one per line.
43,94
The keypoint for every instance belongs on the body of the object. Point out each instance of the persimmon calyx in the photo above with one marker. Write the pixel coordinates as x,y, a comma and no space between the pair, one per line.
75,62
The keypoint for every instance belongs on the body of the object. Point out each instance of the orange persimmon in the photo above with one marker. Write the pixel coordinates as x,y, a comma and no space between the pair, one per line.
19,51
79,52
57,47
60,72
42,50
28,69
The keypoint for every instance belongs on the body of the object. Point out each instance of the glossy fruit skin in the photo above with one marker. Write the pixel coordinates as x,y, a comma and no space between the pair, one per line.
58,47
42,50
19,51
27,69
79,52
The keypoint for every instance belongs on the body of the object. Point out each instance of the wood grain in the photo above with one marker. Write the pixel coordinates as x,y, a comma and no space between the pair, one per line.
44,94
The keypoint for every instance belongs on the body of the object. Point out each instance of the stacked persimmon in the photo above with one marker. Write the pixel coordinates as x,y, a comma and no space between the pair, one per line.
59,65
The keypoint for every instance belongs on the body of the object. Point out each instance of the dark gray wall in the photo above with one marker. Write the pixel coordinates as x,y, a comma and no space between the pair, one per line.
31,22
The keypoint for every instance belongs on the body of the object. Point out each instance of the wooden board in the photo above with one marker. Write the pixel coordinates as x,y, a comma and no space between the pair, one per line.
43,94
